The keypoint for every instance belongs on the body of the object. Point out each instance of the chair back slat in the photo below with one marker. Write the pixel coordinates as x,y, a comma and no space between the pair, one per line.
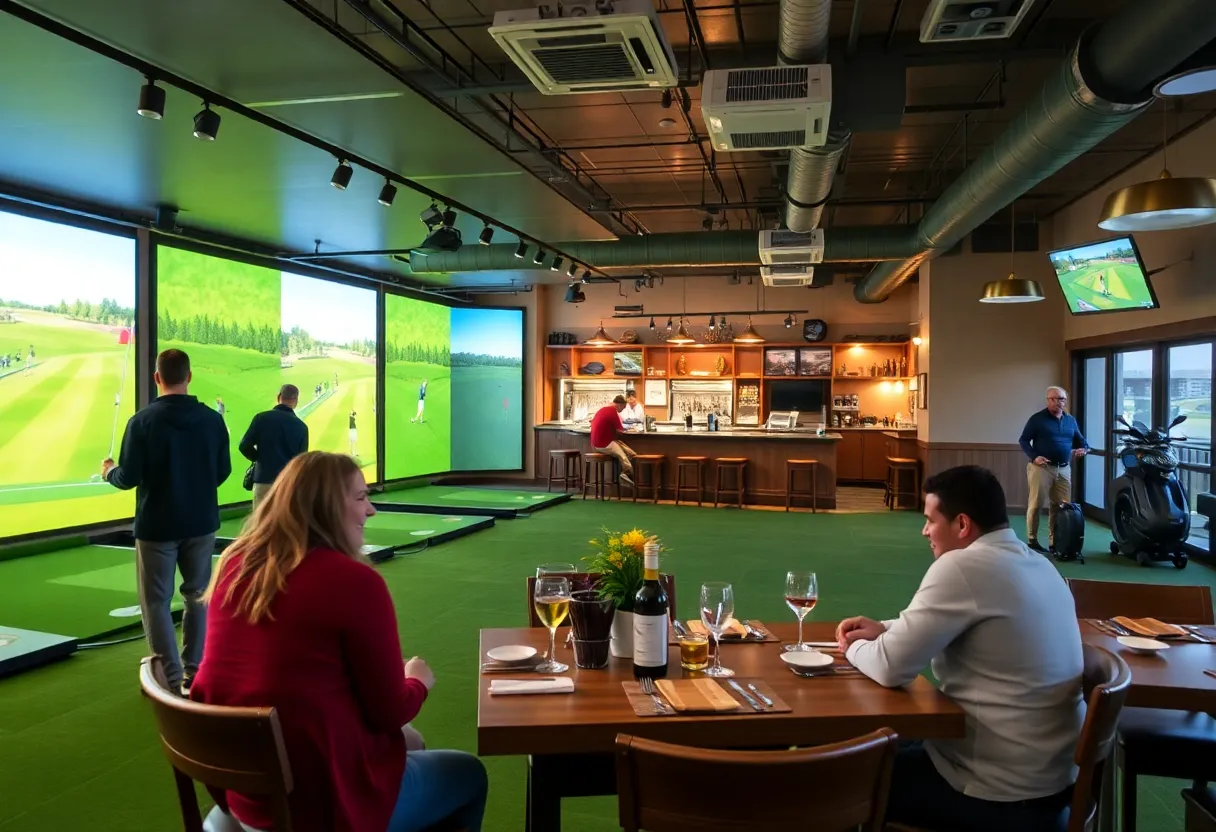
672,788
1105,682
586,580
236,749
1173,604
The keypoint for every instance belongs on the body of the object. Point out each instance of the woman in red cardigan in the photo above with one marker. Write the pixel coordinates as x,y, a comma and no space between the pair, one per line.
299,621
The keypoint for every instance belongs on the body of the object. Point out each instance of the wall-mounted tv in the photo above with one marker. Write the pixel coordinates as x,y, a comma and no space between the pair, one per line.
1106,276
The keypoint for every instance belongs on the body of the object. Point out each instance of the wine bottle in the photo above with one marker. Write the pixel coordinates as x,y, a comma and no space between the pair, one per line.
650,620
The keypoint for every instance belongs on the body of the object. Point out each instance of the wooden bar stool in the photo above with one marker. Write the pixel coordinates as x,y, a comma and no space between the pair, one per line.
697,462
896,466
597,475
792,467
726,465
564,468
648,474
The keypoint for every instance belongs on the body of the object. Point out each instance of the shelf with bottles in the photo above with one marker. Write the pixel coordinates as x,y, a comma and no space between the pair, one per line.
701,364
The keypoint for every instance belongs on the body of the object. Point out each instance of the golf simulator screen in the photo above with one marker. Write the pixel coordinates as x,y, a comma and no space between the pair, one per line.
1107,276
249,329
67,372
453,388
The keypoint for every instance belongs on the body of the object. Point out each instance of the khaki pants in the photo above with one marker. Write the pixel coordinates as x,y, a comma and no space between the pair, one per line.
260,490
1047,483
623,453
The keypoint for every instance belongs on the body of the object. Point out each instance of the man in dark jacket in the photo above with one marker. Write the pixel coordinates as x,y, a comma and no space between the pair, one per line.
175,455
274,438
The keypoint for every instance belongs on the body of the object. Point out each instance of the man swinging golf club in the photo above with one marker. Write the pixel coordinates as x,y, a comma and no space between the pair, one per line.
421,403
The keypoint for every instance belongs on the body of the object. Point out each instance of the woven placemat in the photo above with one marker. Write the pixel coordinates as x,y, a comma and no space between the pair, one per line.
644,706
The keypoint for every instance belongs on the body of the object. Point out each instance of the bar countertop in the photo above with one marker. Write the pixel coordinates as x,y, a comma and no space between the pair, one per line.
734,432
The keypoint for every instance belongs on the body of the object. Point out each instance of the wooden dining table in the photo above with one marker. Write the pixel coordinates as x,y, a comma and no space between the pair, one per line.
570,737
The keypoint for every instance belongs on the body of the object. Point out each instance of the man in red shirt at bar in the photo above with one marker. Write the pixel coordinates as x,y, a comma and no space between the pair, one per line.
605,425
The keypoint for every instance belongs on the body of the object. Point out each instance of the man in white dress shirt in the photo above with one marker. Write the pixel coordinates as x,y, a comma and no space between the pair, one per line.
634,413
997,625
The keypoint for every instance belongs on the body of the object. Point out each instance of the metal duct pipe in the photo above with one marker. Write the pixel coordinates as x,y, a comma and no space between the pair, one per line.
802,38
694,248
1102,85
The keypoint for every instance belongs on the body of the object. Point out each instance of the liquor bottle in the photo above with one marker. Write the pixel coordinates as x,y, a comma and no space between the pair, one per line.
903,366
650,620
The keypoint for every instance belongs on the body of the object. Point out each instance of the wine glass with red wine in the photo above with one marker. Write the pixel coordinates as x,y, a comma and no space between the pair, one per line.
801,594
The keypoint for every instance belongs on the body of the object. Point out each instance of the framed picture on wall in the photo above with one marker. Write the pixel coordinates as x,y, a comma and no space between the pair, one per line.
814,361
922,391
780,362
656,394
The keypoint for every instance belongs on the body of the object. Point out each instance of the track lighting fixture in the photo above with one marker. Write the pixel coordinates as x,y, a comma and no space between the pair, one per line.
387,194
669,324
151,101
486,235
431,216
539,257
342,175
573,270
556,265
652,324
665,102
521,250
587,276
722,322
449,217
574,294
789,321
712,325
708,223
206,123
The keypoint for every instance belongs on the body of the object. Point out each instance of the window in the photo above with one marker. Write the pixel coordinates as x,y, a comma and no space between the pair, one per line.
1190,395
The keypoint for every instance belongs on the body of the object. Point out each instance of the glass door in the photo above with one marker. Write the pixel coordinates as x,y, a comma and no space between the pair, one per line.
1094,472
1132,394
1189,376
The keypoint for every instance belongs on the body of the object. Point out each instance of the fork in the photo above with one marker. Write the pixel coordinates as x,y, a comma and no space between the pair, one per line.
660,707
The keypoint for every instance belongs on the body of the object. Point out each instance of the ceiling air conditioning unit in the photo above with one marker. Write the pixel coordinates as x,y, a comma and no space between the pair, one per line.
791,247
604,46
949,20
767,108
790,274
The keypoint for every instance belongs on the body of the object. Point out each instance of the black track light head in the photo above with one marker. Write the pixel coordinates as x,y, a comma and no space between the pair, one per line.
556,265
669,324
665,102
586,275
431,216
573,270
486,235
342,174
206,123
521,250
449,217
652,324
722,322
387,194
574,294
708,223
712,325
151,101
539,257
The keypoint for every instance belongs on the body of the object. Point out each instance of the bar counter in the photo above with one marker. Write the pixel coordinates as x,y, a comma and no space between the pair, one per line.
765,451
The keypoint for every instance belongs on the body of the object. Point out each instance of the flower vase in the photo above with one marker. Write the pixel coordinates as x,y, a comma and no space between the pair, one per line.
622,634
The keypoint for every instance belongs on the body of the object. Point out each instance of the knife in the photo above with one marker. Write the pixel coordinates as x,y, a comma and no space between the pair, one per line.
678,626
756,691
756,706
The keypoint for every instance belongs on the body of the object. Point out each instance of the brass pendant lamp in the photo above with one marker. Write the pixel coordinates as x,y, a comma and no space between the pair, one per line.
681,337
749,335
1012,289
600,338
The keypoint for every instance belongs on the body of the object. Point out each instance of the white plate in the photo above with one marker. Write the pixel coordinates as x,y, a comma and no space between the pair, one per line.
807,658
511,653
1143,646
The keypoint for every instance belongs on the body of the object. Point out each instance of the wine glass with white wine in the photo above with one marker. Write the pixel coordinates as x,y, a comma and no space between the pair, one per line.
717,610
801,595
551,598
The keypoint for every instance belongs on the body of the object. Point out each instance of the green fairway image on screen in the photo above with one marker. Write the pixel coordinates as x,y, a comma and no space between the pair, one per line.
249,329
1102,277
487,389
417,388
67,372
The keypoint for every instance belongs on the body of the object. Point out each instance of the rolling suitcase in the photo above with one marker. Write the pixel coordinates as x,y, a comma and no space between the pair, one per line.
1068,532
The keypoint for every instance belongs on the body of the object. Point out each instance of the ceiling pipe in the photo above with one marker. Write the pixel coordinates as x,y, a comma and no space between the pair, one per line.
1104,83
802,38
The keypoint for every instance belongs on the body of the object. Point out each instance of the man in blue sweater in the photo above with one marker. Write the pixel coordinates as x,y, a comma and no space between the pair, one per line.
1051,440
175,455
275,437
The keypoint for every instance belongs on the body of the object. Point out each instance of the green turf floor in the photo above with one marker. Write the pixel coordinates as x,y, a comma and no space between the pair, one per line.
392,528
79,741
456,498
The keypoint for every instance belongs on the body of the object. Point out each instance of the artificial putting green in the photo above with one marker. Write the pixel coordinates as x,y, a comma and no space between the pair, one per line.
495,502
397,529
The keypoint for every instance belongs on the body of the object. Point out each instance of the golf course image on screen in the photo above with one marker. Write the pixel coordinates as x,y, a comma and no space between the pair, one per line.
250,329
487,389
417,387
67,372
1102,277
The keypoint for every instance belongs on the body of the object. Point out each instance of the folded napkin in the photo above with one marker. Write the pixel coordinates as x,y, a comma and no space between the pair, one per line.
558,684
1150,627
696,695
733,630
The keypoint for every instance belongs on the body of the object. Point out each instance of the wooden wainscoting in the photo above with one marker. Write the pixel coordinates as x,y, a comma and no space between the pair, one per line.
1006,461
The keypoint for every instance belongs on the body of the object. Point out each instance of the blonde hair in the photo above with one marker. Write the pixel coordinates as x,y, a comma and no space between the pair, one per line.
302,511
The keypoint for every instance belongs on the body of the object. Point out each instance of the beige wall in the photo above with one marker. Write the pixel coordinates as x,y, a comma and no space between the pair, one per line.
1185,291
923,363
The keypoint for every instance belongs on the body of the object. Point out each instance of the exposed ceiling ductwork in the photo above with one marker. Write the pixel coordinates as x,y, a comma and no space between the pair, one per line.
1105,83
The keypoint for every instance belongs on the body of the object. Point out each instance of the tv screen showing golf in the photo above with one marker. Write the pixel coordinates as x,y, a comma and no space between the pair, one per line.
67,372
249,329
453,388
1107,276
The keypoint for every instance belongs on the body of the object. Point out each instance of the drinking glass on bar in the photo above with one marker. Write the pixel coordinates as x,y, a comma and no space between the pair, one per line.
694,651
557,569
717,610
552,602
801,594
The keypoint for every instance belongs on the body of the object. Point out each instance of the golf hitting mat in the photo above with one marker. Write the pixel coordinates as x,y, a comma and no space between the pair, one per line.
487,502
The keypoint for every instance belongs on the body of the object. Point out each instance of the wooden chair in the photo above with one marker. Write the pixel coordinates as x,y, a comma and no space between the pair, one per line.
697,463
564,467
648,474
237,749
674,788
1200,810
597,475
1105,681
1155,742
586,580
727,465
792,468
896,467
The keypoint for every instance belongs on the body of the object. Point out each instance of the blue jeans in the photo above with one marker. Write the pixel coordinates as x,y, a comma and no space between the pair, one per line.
438,785
921,797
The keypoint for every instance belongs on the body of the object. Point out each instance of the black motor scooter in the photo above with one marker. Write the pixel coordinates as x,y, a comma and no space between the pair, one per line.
1150,515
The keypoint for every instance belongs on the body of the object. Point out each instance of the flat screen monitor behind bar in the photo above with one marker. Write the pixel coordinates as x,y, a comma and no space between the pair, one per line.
1106,276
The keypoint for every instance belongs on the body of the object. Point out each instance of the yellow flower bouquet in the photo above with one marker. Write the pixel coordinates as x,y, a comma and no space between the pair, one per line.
619,562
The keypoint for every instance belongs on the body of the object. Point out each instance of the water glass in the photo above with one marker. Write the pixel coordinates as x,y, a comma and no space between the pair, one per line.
717,610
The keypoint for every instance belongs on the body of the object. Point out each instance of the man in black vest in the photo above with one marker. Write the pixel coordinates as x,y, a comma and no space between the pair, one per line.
274,438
